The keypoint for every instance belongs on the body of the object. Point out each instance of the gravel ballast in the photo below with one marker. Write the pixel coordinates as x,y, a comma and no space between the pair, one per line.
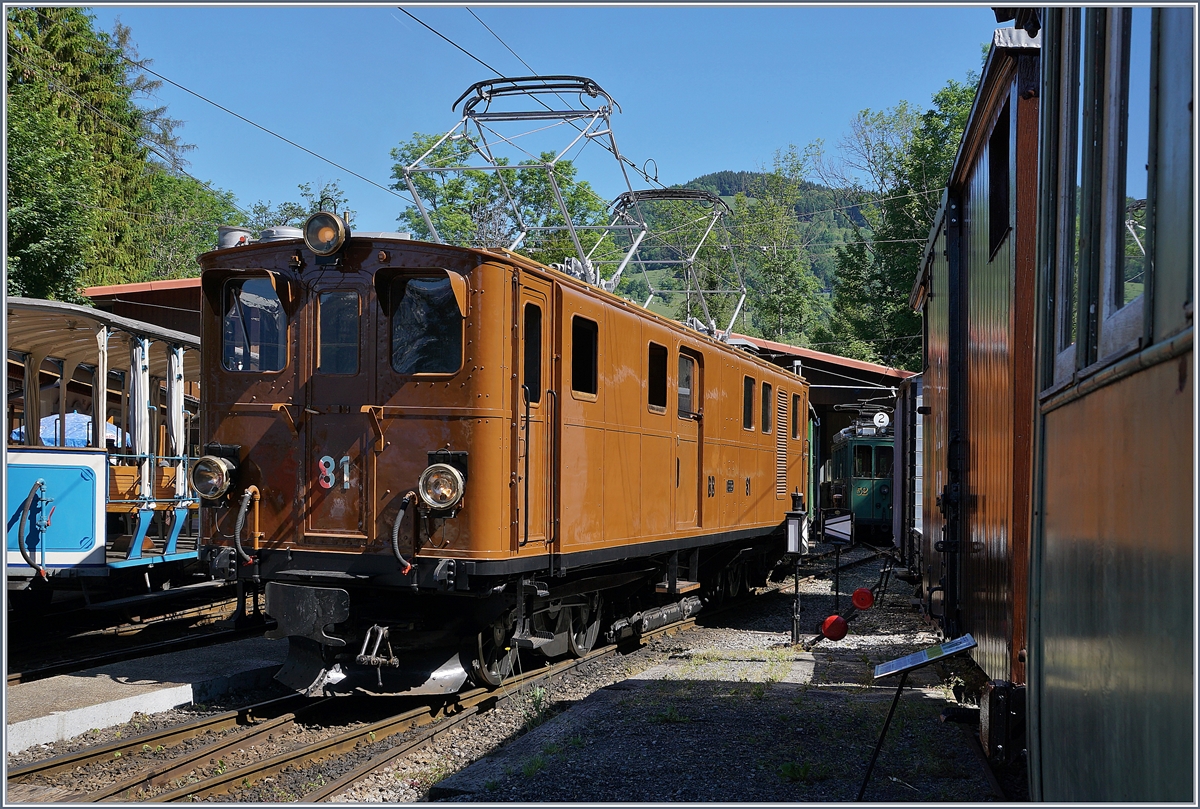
728,711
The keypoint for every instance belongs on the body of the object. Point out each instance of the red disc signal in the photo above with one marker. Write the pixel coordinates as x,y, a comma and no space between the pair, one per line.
863,598
835,627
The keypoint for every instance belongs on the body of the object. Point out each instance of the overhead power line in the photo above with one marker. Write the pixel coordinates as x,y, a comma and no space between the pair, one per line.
288,141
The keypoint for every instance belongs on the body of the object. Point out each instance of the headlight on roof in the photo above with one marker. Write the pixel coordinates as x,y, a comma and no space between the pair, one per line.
441,486
325,233
211,476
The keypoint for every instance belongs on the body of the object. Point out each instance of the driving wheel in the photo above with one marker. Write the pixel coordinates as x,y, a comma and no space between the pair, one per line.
494,655
585,627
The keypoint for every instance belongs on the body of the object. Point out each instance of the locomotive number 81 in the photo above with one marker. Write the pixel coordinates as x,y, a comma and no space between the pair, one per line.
434,457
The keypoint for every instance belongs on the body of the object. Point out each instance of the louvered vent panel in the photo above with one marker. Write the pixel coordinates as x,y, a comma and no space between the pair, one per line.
781,436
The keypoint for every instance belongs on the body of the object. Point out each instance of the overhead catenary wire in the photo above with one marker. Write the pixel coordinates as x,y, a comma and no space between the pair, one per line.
274,134
142,138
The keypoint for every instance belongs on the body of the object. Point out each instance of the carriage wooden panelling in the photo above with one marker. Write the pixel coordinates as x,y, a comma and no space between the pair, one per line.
1113,532
979,380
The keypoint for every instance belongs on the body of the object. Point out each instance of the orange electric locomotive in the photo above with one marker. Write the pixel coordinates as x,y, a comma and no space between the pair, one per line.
433,457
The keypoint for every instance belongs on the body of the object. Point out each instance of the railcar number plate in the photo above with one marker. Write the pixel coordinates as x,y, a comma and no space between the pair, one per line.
327,471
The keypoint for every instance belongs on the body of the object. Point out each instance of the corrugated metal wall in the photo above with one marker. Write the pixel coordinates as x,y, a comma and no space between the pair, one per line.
986,592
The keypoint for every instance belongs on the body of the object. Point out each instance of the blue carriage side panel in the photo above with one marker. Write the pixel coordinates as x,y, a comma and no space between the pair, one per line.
73,500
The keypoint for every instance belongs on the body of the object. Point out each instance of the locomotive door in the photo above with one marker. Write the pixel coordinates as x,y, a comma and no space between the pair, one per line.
688,439
335,430
535,406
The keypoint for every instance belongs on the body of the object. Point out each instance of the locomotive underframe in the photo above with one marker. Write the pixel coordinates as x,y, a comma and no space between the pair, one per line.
357,623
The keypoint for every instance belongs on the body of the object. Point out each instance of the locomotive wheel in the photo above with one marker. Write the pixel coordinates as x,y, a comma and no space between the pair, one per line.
494,655
585,627
733,581
716,596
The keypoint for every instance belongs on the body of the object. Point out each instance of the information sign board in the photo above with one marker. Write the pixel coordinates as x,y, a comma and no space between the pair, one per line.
924,657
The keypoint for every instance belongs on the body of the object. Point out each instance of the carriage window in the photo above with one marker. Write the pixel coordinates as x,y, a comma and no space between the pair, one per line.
748,403
998,164
883,462
253,328
687,373
862,461
767,404
795,416
337,338
584,355
427,328
533,352
1131,268
656,376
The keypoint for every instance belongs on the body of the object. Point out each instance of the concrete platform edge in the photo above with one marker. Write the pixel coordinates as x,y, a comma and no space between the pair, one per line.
63,725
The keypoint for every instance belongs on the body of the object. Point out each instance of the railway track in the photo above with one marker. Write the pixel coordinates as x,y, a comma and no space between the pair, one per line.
64,652
70,666
198,771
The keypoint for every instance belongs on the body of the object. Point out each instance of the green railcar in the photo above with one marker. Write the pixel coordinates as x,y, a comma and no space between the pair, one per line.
861,477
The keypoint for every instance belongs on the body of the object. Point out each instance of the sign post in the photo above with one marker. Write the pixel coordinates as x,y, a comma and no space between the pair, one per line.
902,666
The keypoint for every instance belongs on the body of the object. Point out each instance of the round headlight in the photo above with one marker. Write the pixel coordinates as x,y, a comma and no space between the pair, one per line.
211,476
441,486
325,233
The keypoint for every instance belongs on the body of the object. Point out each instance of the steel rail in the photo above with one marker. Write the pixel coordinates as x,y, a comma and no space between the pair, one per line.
193,641
161,774
466,704
438,728
165,737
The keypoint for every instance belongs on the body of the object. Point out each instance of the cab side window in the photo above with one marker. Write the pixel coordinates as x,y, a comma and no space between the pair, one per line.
656,377
585,342
533,352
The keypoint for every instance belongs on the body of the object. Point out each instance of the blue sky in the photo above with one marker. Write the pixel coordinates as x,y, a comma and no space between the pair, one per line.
701,89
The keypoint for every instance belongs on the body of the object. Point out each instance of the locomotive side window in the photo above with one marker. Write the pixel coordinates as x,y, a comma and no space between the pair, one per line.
584,354
862,461
254,327
748,403
795,416
533,352
656,378
883,461
687,373
337,336
427,327
768,403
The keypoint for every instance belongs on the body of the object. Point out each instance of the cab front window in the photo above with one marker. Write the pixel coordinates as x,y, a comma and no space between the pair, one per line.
862,461
253,327
427,327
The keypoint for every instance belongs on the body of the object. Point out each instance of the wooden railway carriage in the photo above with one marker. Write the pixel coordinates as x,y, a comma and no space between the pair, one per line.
1111,647
975,291
1058,446
434,456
